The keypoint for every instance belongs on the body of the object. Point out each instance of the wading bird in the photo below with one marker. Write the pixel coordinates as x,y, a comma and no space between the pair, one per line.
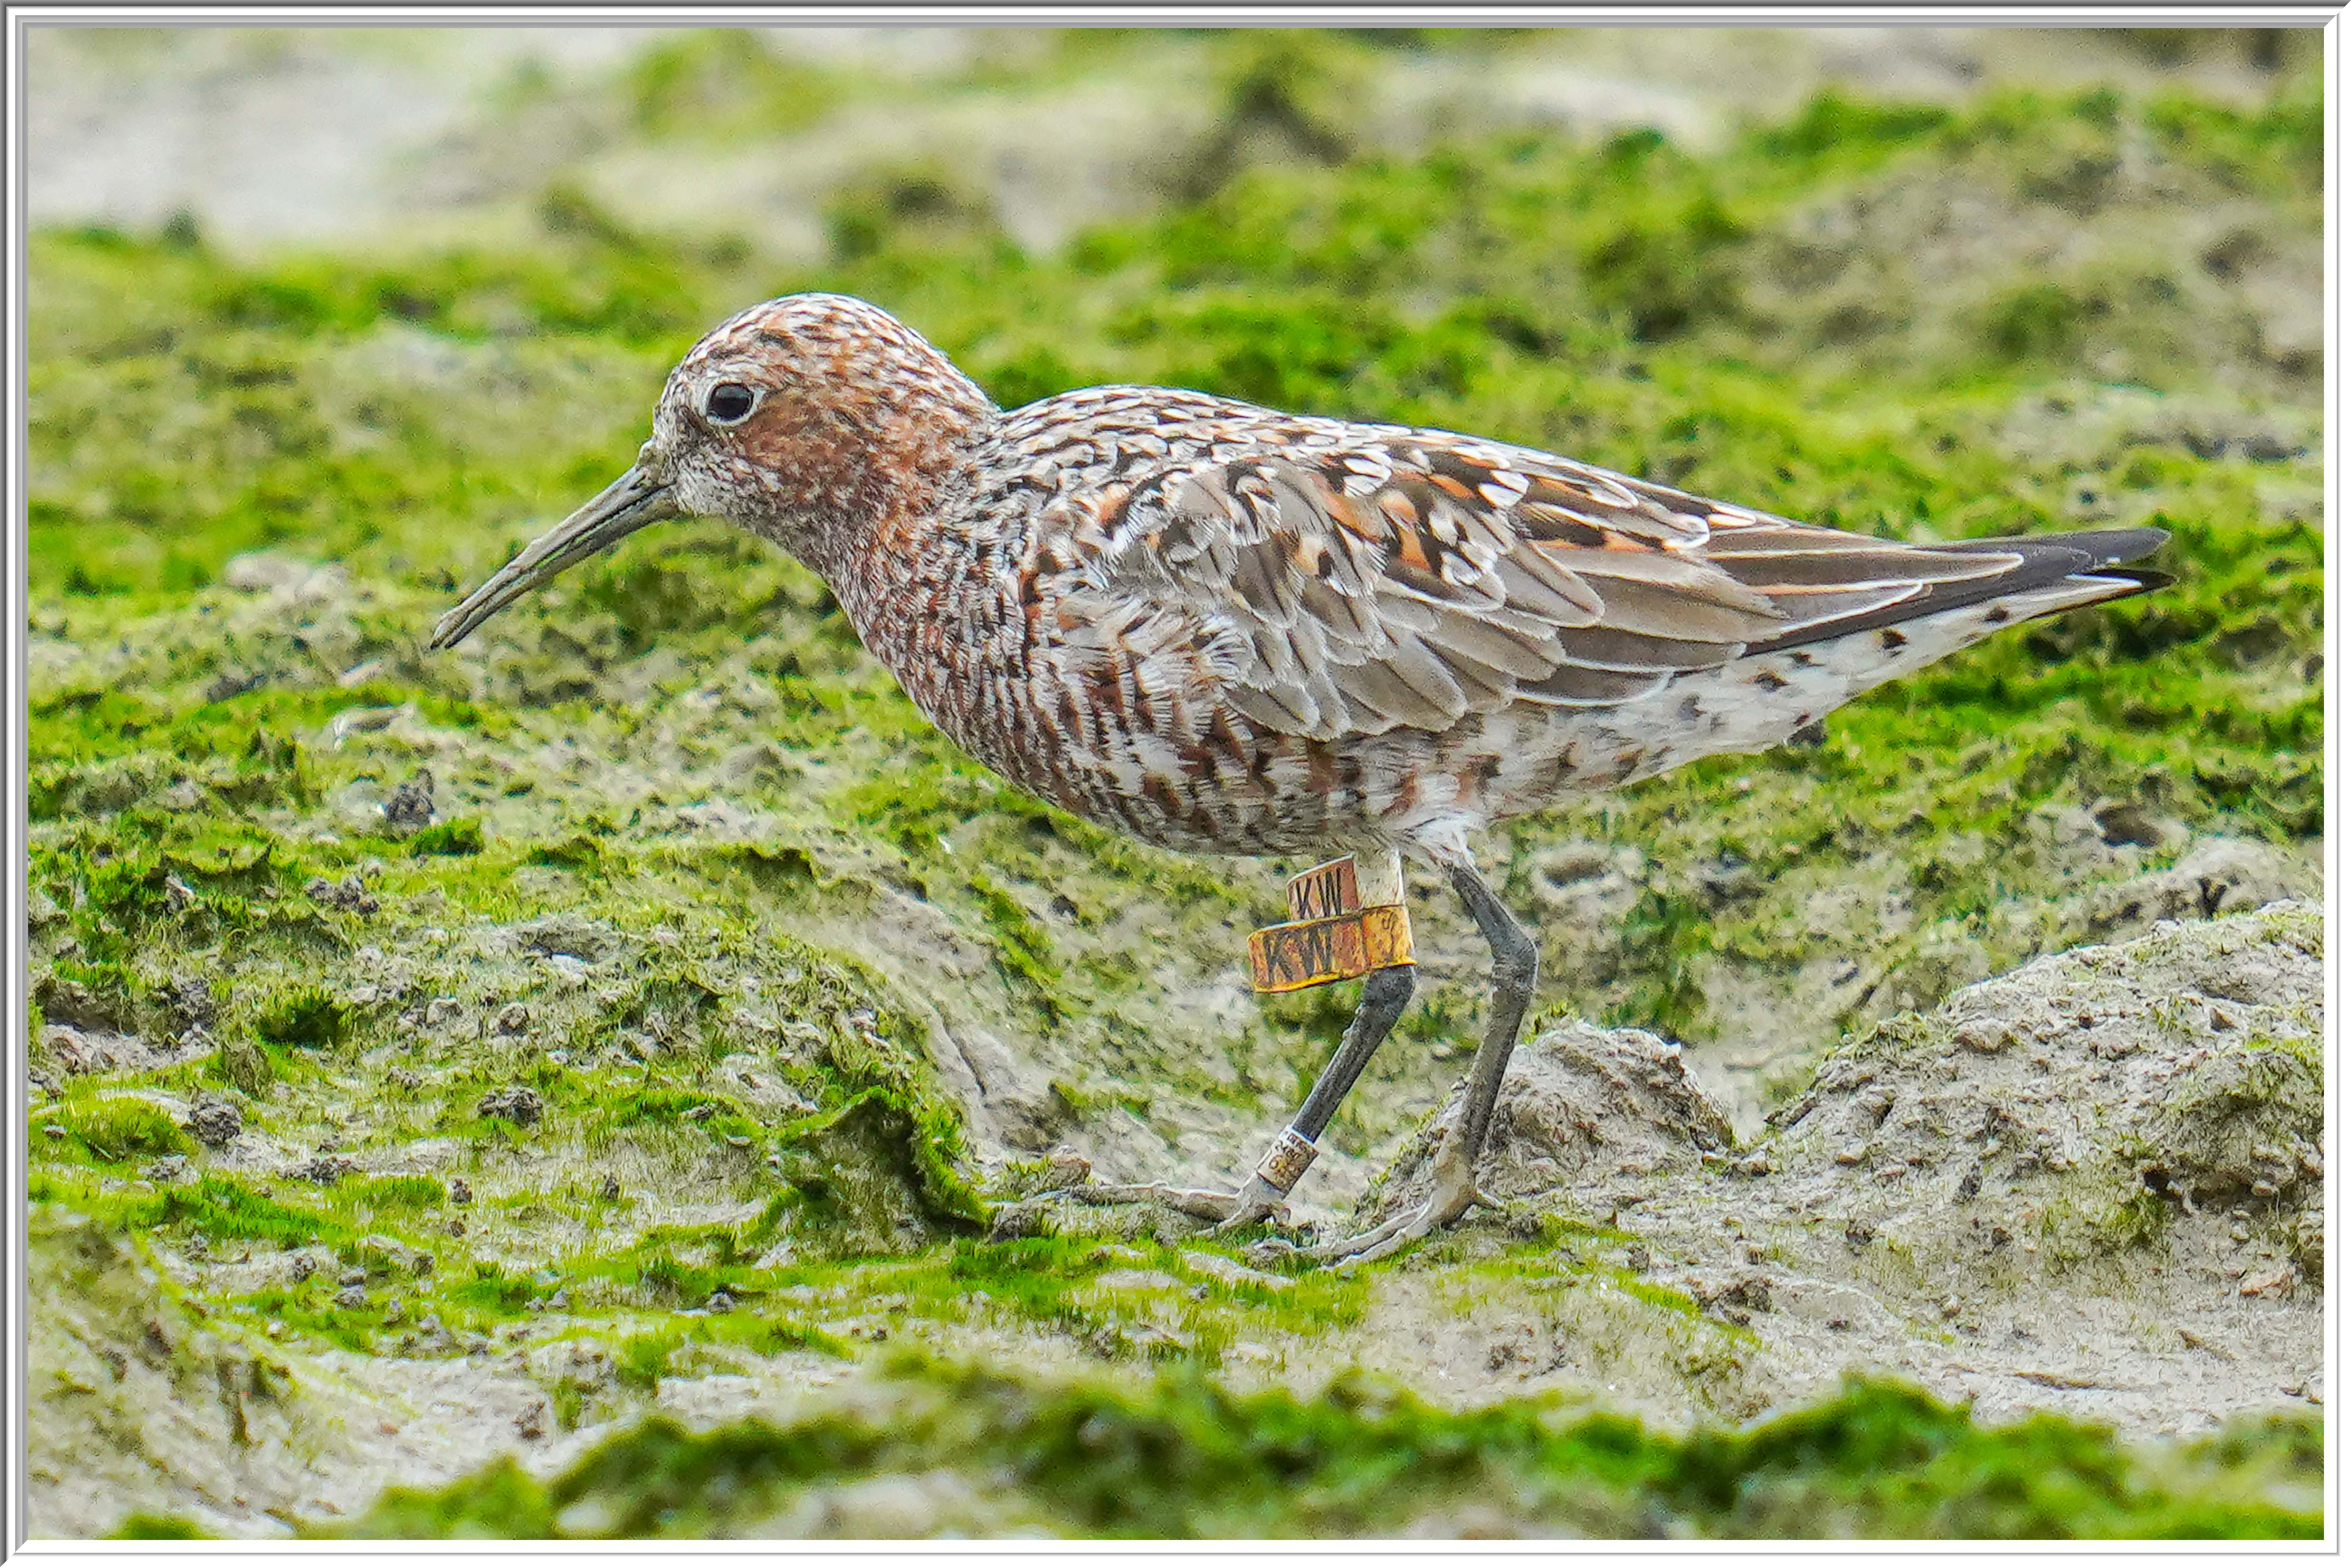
1232,631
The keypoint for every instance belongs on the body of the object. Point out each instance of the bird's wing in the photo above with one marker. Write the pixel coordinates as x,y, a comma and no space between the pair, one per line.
1407,579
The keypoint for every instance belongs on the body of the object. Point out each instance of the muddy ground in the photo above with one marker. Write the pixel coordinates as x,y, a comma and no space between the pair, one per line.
2090,1187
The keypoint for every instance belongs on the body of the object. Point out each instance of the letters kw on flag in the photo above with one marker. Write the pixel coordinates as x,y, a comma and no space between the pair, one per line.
1331,935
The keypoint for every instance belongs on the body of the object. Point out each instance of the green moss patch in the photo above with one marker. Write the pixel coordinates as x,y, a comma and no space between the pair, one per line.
112,1129
1180,1458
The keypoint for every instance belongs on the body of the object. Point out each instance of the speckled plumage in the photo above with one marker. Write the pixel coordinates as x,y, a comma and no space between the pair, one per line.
1226,629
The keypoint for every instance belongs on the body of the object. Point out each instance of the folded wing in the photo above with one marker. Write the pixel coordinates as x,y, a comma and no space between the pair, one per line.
1408,578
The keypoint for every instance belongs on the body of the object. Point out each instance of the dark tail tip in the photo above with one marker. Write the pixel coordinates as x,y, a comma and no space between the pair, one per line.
2142,581
2110,546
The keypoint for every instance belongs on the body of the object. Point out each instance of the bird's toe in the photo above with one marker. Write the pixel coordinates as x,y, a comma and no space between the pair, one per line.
1258,1201
1456,1196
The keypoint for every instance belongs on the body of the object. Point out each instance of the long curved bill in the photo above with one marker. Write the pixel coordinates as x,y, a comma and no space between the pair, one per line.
626,504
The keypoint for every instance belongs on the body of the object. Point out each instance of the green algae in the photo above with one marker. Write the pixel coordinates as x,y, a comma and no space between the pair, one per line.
113,1129
1668,310
156,1527
1181,1458
720,84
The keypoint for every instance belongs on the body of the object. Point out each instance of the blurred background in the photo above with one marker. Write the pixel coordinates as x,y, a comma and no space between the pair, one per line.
408,135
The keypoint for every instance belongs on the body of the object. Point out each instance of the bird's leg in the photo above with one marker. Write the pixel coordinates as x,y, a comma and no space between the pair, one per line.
1386,992
1457,1152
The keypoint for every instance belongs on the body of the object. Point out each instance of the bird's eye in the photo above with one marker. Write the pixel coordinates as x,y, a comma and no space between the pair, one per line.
729,403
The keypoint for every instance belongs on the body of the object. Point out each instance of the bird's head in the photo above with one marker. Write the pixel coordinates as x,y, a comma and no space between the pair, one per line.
814,421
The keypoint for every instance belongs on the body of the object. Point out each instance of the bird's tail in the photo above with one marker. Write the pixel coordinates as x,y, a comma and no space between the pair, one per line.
2053,572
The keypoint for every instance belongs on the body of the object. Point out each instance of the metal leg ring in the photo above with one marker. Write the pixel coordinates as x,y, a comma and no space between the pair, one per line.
1285,1163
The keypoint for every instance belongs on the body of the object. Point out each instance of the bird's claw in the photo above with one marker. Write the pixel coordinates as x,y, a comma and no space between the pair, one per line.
1456,1194
1231,1211
1258,1200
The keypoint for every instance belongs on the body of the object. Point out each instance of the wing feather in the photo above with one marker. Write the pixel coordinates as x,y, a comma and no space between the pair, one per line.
1388,577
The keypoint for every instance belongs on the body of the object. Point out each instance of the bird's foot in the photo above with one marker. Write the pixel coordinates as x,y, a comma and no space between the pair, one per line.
1257,1200
1455,1195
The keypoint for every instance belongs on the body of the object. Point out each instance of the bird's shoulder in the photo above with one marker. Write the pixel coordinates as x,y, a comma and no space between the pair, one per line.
1139,451
1076,442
